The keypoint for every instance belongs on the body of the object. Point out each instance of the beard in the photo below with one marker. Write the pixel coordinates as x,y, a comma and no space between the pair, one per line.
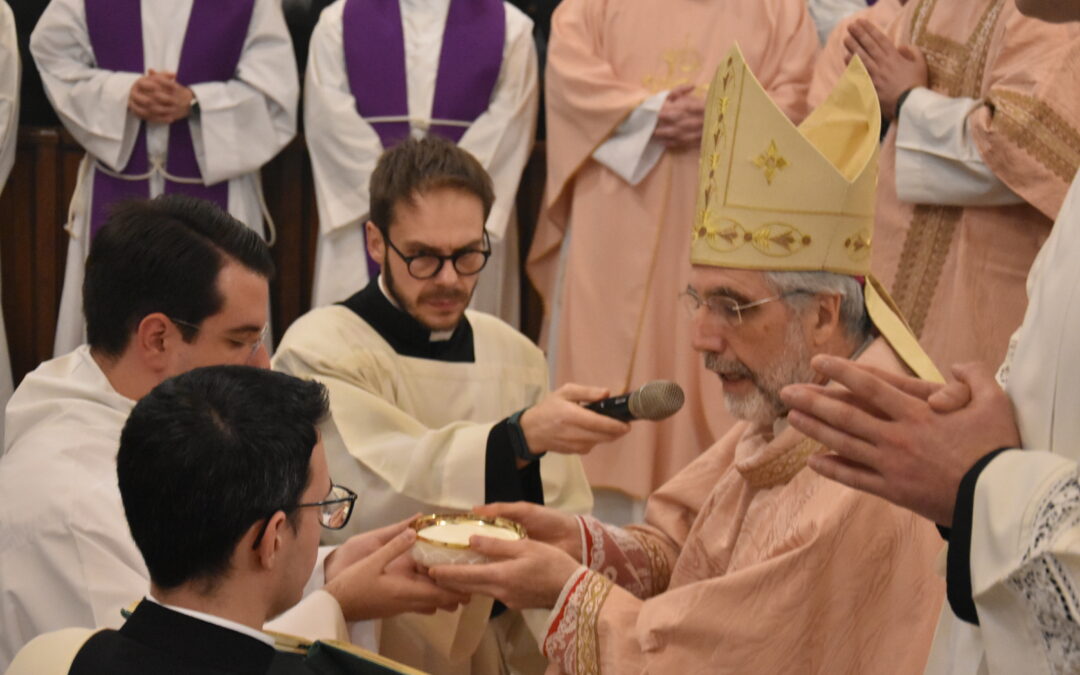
437,293
763,404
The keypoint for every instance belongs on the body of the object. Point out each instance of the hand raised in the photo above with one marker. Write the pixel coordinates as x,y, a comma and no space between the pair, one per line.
908,452
559,423
893,69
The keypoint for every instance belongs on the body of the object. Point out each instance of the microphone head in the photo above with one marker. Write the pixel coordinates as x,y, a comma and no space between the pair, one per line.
656,400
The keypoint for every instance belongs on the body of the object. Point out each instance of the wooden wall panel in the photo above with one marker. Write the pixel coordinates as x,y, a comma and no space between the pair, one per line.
33,209
290,198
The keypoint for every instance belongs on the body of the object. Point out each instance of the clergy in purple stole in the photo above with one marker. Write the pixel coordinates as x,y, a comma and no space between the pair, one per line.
381,70
231,58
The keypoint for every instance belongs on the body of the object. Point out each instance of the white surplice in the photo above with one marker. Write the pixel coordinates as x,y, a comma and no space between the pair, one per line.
344,148
241,124
66,555
10,75
410,434
1025,536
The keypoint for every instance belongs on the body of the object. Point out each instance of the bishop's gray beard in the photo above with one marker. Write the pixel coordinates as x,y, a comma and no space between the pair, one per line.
763,405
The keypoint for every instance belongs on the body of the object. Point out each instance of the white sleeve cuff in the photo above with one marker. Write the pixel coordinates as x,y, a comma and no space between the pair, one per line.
317,617
936,159
631,153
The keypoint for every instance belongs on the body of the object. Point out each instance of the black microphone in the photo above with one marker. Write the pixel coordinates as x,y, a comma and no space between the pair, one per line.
653,401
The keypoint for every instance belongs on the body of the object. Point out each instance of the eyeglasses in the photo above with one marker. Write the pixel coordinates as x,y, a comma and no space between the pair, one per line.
251,346
726,308
334,511
466,262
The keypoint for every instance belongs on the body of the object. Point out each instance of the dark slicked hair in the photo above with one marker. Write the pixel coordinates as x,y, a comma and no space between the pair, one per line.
162,255
414,167
207,454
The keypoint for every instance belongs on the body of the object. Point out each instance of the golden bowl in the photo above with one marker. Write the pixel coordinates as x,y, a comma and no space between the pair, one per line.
443,538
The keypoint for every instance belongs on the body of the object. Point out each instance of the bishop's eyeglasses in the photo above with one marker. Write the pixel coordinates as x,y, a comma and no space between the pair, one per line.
466,262
724,307
334,511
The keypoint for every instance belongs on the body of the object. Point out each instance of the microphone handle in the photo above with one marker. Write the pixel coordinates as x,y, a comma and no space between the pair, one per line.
617,407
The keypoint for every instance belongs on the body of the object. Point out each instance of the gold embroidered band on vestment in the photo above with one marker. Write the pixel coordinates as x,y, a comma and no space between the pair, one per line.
1039,130
593,591
955,69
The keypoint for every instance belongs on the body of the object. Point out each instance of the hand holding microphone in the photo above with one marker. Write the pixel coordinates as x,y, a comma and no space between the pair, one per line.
574,417
655,400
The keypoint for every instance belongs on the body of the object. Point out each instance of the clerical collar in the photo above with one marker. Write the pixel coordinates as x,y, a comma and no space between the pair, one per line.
217,621
436,335
405,334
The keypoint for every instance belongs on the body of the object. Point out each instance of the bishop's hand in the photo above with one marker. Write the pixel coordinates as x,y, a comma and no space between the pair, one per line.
543,524
523,574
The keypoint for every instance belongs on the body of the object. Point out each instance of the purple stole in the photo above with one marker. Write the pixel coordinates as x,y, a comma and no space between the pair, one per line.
213,43
469,65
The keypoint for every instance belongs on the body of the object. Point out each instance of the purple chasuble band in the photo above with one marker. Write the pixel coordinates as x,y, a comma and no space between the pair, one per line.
469,64
213,43
374,44
115,31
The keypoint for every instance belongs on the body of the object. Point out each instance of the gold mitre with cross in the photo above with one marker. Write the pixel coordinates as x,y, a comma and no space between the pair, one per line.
773,196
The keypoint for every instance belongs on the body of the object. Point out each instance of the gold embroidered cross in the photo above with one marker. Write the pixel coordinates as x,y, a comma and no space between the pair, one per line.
680,66
770,162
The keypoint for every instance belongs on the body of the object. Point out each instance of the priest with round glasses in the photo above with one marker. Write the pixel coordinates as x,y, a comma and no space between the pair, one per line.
435,407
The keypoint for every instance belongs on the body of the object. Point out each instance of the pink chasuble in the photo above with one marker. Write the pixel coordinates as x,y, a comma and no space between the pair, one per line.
213,42
958,272
748,562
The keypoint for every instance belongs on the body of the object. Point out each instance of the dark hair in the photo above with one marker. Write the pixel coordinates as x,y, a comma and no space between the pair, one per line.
162,255
416,166
208,453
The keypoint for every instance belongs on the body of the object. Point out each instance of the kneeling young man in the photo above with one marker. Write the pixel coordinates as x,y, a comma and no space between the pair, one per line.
225,489
747,560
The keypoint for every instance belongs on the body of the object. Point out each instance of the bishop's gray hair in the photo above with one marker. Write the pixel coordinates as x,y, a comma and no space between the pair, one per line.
853,317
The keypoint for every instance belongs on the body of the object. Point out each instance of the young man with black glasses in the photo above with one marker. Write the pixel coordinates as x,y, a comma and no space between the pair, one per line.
435,407
225,488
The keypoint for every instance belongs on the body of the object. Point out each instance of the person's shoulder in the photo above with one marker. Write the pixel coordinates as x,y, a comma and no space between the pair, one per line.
67,394
61,367
331,341
490,330
50,652
328,328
